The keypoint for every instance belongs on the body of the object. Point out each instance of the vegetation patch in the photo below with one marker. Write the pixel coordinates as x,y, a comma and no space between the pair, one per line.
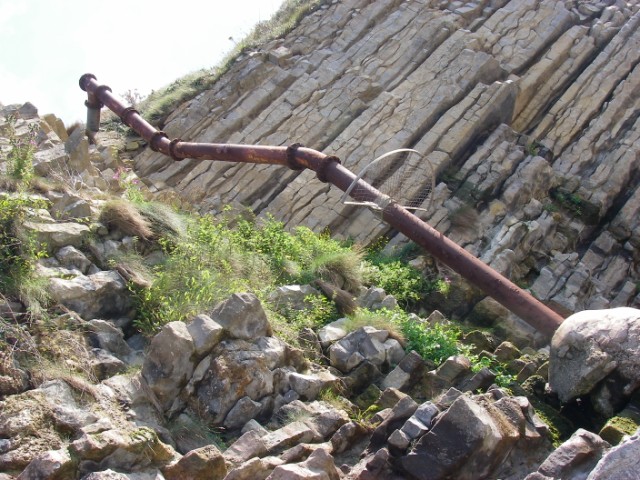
384,319
213,260
503,379
122,215
434,342
19,251
19,158
392,273
288,321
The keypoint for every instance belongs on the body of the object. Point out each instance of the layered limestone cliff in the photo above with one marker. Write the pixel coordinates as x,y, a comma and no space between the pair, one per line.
527,111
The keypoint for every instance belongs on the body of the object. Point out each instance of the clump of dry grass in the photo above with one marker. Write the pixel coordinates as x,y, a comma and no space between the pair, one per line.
342,268
465,218
73,127
126,217
381,320
164,221
8,184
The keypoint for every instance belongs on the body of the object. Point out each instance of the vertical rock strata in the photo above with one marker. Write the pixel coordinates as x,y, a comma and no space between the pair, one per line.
527,110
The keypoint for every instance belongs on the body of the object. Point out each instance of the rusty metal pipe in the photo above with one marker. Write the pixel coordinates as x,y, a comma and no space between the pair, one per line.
329,169
520,302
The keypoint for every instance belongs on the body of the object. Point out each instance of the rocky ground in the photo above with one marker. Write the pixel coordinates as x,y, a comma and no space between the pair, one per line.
219,397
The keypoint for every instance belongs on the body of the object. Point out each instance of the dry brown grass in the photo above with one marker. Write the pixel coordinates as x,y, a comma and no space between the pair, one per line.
343,268
379,320
124,216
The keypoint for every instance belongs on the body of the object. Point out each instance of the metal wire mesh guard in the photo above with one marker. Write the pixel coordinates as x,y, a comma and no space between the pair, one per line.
404,175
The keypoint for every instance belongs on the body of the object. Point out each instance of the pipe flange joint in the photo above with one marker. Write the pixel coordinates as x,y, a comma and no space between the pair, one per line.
322,170
155,139
84,79
291,157
126,113
172,150
96,104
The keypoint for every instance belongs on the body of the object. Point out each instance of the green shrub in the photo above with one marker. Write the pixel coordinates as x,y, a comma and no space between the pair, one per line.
391,272
269,239
402,281
300,256
503,377
436,343
432,342
212,261
20,155
130,184
571,202
318,312
19,252
198,273
287,322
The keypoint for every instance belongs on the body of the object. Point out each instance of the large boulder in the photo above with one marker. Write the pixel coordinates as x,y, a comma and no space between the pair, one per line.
53,464
57,235
72,258
242,316
206,463
365,344
170,362
107,336
206,333
101,295
319,465
126,449
37,421
292,296
467,442
239,371
594,345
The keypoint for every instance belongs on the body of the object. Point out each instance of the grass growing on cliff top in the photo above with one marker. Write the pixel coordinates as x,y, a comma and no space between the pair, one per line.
159,104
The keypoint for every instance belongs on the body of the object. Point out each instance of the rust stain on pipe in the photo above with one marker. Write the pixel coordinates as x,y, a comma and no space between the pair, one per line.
329,169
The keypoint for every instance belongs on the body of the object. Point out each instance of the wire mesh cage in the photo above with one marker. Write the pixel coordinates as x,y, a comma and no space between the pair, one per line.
404,176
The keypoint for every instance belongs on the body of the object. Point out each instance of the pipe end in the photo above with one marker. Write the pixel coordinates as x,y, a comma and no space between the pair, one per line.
84,79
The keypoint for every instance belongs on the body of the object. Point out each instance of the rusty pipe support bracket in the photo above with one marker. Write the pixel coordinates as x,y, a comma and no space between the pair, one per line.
321,171
329,169
93,106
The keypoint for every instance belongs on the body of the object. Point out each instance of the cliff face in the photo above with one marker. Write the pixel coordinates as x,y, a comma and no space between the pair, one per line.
527,111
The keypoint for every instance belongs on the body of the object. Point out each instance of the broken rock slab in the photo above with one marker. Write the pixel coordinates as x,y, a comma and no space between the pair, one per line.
242,316
619,463
575,458
100,295
468,441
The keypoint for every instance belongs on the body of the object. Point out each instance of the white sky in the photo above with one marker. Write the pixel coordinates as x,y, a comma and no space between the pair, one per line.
46,45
